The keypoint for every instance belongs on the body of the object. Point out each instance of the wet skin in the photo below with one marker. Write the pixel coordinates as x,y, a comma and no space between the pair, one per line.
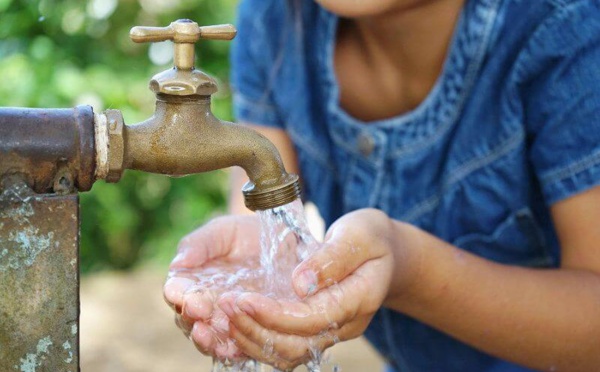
336,297
377,261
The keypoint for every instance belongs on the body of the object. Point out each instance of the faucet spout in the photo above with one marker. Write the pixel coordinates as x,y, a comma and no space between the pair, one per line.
184,137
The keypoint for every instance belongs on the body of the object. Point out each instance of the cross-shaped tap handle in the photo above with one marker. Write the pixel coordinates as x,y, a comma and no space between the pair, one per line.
184,33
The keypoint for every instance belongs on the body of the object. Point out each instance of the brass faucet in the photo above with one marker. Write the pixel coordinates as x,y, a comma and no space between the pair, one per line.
183,136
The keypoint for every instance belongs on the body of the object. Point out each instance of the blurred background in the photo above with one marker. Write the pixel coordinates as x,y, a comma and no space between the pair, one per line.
67,53
70,52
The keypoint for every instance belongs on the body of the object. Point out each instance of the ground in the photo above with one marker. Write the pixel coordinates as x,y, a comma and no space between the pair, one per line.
127,327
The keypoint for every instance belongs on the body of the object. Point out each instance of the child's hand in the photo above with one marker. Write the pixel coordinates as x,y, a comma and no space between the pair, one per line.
358,257
214,252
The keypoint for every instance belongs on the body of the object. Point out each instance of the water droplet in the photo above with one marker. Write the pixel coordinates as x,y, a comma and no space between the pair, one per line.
268,349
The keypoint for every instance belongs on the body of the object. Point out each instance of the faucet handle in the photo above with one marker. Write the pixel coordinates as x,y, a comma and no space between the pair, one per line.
184,33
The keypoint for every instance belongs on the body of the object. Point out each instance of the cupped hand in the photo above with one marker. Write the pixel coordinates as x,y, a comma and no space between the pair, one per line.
342,286
219,257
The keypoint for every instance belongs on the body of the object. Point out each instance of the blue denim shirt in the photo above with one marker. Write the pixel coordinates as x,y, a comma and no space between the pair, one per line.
511,127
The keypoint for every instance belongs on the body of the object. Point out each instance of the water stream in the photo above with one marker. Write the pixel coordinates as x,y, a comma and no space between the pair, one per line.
285,241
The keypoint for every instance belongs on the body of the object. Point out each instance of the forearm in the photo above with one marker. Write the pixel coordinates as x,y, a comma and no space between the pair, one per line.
237,179
538,318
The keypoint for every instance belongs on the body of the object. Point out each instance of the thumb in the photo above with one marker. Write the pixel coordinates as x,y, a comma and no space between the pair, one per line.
211,241
339,257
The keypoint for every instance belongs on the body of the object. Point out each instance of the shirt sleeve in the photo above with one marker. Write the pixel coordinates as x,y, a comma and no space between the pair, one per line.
252,62
563,102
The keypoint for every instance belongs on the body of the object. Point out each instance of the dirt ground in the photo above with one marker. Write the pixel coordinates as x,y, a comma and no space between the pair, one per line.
127,327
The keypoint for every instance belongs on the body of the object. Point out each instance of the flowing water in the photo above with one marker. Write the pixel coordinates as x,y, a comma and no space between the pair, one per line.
285,241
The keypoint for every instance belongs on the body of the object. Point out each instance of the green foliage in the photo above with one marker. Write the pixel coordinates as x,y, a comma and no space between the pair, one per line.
69,52
144,216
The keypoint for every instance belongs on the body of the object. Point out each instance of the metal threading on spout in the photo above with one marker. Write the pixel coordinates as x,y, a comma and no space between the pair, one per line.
262,199
183,136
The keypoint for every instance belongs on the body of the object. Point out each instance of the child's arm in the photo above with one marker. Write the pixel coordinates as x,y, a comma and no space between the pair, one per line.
547,319
544,319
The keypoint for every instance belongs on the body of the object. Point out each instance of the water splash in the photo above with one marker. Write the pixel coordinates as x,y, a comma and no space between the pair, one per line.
285,241
246,366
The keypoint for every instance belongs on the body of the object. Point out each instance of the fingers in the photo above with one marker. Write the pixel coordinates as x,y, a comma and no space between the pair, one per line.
174,289
325,310
211,337
360,294
289,317
220,322
203,338
282,350
208,343
194,307
185,297
263,353
198,304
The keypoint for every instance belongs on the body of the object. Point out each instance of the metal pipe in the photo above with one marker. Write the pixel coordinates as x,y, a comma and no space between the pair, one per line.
51,150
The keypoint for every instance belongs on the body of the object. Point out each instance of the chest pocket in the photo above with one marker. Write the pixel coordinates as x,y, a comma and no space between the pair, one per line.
518,240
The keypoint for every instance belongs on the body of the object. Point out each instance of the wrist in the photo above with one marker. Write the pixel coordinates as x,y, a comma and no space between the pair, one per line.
408,279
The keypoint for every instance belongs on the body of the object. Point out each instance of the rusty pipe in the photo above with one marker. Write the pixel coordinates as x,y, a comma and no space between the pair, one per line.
51,150
183,137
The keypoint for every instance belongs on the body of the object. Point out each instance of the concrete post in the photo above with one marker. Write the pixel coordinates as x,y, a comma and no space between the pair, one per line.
39,281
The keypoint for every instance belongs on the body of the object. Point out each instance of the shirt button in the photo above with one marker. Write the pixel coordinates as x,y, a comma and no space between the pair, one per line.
366,144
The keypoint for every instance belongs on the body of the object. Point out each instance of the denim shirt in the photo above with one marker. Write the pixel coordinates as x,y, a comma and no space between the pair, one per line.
511,127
